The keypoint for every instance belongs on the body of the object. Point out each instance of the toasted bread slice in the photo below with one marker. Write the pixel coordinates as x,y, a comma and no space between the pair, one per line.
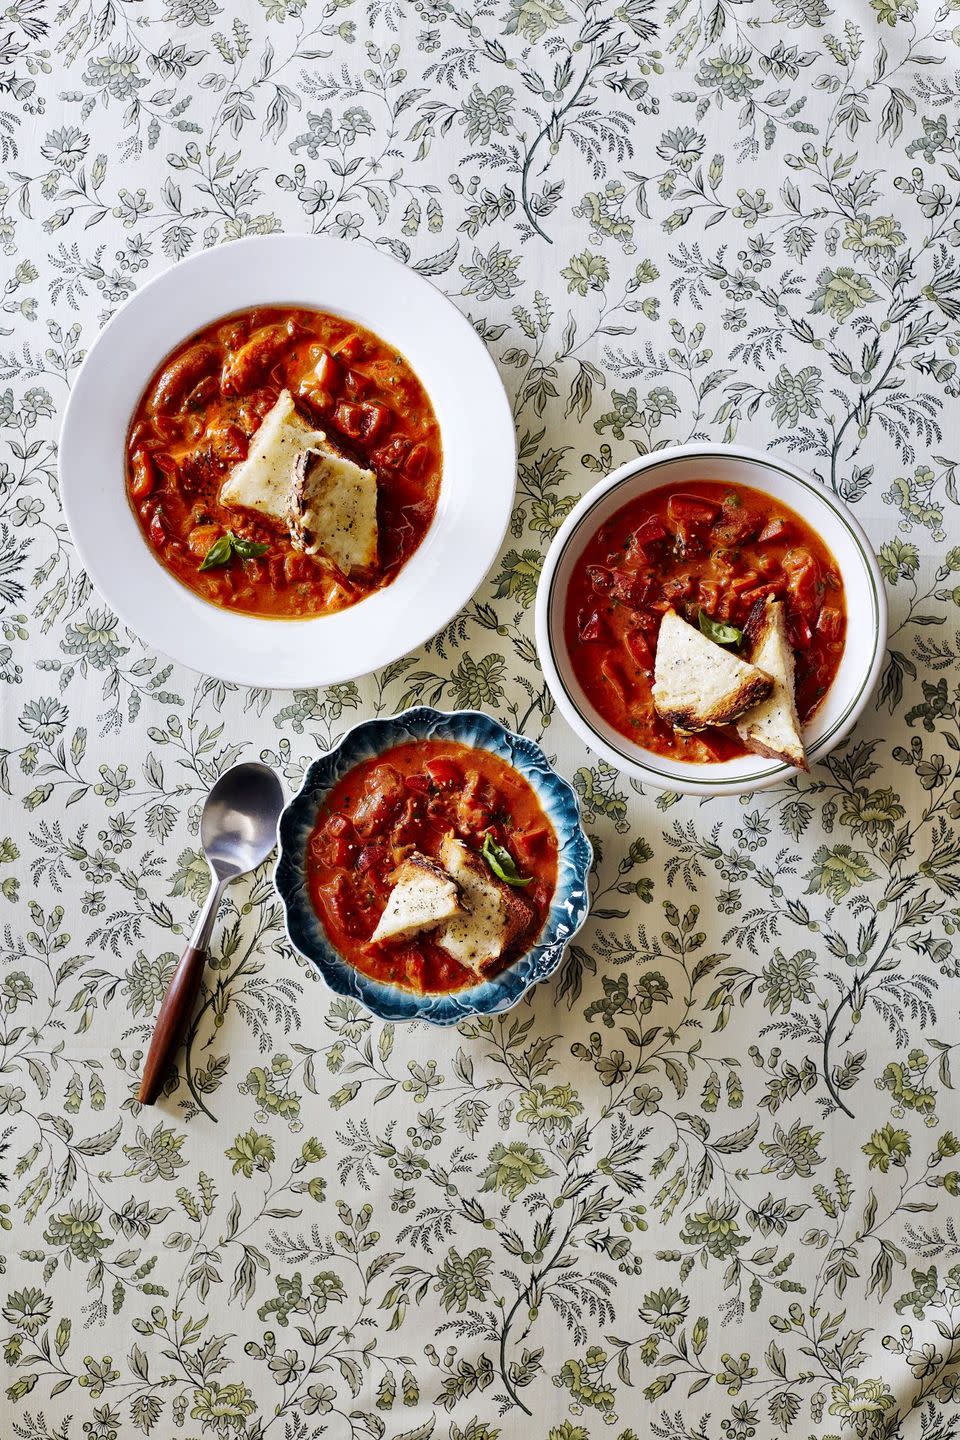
333,509
772,728
263,481
697,683
423,896
496,916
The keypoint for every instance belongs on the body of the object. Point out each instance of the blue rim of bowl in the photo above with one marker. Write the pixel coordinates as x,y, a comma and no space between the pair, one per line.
571,897
842,724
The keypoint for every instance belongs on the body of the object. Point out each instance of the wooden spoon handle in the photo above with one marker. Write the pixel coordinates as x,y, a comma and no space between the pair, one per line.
172,1020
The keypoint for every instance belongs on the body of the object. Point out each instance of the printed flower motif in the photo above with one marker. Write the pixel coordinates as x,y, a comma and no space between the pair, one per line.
682,147
873,237
513,1168
840,293
78,1228
28,1309
860,1401
44,719
249,1152
549,1109
11,1099
477,683
728,73
887,1147
223,1409
533,18
116,71
94,639
586,272
665,1309
155,1156
65,146
492,274
715,1228
794,1151
605,213
485,115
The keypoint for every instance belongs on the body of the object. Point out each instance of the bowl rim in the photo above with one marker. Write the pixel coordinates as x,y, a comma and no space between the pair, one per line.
631,763
248,649
494,996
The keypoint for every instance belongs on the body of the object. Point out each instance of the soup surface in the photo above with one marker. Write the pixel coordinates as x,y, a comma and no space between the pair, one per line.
195,421
409,799
705,549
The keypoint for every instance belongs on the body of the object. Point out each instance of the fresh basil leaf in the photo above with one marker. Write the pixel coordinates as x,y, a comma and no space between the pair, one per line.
719,633
247,549
501,863
220,553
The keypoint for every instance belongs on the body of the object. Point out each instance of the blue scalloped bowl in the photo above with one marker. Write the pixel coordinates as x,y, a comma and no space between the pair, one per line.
571,899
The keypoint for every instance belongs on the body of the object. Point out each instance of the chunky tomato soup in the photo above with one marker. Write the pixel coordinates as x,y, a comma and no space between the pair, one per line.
195,421
704,549
408,800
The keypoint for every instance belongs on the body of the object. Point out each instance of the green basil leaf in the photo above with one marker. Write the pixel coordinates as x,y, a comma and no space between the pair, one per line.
501,863
247,549
220,553
719,633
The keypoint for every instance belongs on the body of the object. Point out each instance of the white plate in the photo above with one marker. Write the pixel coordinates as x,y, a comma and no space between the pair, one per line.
825,513
476,492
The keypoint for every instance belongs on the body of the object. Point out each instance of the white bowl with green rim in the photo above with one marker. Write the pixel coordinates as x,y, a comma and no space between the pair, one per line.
832,520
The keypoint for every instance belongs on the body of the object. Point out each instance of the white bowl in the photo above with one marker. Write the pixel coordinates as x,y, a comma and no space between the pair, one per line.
476,492
828,516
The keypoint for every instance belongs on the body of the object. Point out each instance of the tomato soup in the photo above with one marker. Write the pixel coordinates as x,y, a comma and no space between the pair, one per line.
407,800
707,550
195,422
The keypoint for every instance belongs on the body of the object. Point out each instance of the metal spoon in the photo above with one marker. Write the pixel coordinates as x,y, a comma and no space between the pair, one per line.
238,830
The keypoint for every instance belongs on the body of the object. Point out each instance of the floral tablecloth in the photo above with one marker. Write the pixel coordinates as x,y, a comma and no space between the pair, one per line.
705,1183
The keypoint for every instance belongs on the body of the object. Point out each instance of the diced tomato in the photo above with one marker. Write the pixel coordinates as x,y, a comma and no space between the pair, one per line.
633,587
738,583
370,857
392,455
830,623
165,463
417,462
232,444
678,588
709,596
357,385
419,784
638,646
297,566
201,537
142,475
589,626
382,796
691,509
803,585
600,578
529,844
351,349
775,529
413,967
652,530
735,526
364,421
342,902
327,372
158,531
799,631
445,773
